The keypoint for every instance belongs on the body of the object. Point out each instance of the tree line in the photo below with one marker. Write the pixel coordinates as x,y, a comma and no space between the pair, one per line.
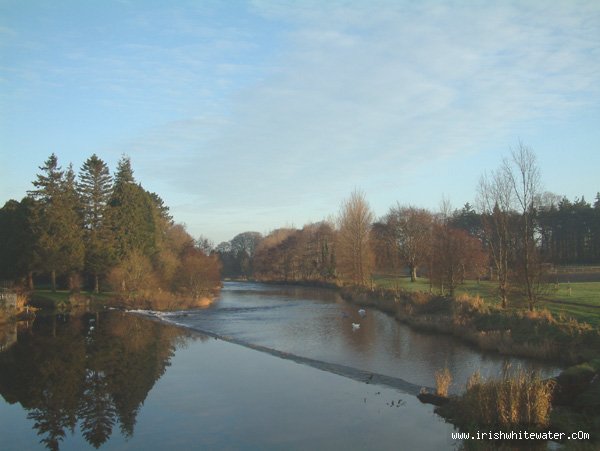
94,229
512,235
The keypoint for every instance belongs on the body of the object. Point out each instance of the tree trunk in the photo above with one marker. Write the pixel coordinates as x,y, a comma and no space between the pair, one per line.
413,273
96,284
30,280
53,280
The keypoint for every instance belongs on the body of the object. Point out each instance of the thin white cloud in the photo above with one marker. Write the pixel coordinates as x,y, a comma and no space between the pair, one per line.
355,94
364,93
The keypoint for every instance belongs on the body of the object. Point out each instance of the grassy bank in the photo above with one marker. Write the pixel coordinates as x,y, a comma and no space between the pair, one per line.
517,332
569,403
576,300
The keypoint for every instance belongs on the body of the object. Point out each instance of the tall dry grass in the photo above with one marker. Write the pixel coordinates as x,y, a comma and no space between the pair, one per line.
22,301
443,380
517,399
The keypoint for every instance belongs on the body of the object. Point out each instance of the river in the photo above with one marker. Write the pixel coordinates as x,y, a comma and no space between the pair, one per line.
264,367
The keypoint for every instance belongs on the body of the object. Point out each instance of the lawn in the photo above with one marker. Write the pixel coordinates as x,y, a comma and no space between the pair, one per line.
579,300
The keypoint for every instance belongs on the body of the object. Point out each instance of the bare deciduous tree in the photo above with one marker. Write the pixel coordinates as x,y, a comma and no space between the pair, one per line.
411,228
524,176
494,198
455,255
354,255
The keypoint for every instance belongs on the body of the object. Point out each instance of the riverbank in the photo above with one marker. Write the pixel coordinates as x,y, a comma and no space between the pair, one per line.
515,332
148,300
521,333
523,400
575,394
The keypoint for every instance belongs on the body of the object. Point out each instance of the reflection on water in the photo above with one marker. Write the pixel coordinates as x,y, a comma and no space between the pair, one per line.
93,380
317,324
94,371
8,336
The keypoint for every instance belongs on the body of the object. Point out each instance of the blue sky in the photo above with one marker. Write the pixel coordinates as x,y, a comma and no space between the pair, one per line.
261,114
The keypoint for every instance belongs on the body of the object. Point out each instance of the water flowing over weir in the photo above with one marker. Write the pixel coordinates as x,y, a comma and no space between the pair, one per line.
313,326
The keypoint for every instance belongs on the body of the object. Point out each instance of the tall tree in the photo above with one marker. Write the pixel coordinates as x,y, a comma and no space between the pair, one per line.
124,173
243,246
17,241
354,257
468,220
58,222
494,197
523,174
455,255
132,216
95,186
411,230
384,247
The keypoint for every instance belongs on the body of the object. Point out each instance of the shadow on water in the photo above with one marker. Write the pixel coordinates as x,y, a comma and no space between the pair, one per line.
93,370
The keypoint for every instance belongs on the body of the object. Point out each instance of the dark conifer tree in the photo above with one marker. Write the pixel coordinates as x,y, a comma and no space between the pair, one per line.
124,173
57,222
133,214
17,240
95,185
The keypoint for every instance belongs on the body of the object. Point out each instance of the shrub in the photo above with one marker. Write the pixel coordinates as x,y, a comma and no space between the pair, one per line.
469,304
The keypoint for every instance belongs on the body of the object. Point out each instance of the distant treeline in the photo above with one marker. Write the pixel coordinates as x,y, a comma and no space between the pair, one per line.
515,232
98,230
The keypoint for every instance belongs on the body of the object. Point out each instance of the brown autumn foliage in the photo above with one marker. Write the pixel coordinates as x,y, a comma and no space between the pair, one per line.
297,254
133,274
180,275
353,247
198,274
455,256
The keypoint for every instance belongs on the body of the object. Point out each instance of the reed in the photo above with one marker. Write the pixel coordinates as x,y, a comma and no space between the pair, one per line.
22,301
443,380
516,399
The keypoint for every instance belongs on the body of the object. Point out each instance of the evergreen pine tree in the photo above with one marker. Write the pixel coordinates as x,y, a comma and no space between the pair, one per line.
17,258
124,172
57,223
94,187
133,215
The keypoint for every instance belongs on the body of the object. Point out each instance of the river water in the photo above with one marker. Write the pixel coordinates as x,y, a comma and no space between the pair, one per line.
316,323
265,367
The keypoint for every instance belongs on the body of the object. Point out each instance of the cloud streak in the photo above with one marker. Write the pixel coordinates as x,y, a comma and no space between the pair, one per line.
279,121
364,94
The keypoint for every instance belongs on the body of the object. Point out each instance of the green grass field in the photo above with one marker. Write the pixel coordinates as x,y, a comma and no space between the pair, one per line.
580,300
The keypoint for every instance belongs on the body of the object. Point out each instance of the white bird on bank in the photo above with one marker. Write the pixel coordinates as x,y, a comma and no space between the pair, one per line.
362,312
355,326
